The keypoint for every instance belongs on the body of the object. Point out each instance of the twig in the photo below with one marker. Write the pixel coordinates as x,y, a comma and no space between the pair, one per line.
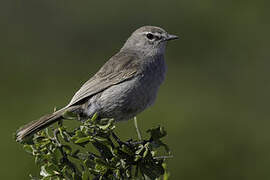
163,157
55,133
137,129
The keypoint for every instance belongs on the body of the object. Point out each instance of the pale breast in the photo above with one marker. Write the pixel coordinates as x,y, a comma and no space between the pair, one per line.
125,100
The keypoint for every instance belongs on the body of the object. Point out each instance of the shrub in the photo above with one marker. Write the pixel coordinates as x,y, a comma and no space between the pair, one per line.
94,151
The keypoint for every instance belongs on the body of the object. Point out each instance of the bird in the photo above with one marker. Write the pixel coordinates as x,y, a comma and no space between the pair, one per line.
123,87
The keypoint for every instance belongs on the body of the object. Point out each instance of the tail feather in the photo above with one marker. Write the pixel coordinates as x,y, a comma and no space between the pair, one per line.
41,123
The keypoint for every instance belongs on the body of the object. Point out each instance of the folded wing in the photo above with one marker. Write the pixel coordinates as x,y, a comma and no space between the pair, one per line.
121,67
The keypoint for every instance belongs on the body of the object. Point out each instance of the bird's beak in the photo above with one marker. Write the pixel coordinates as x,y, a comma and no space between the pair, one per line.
171,37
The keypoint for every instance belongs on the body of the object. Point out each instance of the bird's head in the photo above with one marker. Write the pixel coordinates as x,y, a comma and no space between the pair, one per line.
149,39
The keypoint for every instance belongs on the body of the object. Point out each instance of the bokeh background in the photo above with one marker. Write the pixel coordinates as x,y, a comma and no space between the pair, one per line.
214,103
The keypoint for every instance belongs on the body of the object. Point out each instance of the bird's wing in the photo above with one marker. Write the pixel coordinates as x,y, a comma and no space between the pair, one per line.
121,67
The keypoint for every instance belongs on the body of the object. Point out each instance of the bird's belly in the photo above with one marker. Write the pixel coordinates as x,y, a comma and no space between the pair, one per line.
127,99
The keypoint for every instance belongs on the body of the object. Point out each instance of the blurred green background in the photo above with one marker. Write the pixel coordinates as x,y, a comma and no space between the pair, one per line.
214,103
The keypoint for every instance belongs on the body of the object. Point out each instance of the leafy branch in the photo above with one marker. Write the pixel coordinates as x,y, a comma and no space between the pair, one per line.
94,151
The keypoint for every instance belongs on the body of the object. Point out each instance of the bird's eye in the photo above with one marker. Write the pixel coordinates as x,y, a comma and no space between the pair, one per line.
150,36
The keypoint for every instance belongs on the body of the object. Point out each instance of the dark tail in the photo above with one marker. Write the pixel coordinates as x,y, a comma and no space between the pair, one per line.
42,123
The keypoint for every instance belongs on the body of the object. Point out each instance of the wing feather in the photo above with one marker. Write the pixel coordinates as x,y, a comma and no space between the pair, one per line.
121,67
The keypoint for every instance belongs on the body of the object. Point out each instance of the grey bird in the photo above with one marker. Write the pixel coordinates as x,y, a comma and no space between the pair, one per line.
123,87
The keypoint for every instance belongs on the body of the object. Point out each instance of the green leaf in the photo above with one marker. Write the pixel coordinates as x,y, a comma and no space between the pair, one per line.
67,149
137,158
94,117
103,149
61,132
127,150
107,125
117,174
78,134
85,175
52,169
157,133
102,140
56,156
145,153
82,140
28,148
152,170
140,149
44,172
70,115
101,168
89,163
166,173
